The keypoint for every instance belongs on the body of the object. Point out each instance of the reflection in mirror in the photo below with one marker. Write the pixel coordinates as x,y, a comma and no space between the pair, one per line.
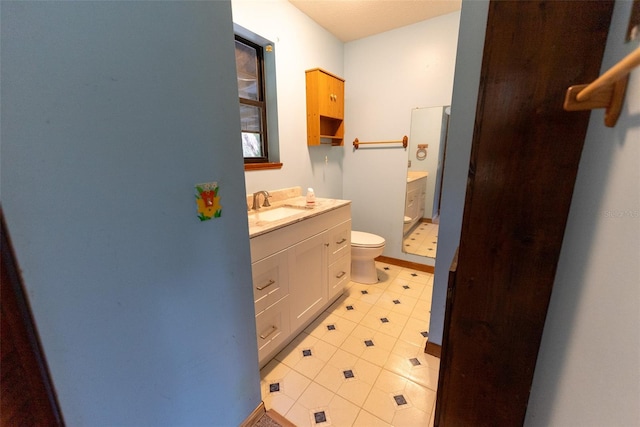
427,147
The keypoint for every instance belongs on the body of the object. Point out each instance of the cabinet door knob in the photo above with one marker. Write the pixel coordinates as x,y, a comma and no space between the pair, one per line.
341,241
340,275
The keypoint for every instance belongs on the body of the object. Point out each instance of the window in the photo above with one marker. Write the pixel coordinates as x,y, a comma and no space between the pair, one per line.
253,112
255,67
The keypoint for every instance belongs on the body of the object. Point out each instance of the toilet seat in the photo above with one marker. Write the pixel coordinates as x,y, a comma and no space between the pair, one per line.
360,239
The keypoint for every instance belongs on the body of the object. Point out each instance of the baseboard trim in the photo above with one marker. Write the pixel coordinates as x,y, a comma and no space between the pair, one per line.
254,416
407,264
433,349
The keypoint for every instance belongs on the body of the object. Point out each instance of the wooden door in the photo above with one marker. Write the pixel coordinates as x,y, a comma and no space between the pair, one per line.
27,397
524,159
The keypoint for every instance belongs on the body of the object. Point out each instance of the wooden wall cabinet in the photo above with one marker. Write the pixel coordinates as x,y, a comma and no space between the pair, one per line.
325,108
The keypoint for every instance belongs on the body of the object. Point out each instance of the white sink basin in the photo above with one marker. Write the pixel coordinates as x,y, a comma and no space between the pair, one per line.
275,214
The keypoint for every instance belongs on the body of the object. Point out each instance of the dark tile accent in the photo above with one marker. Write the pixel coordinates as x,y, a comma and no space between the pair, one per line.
369,343
274,387
331,327
415,362
384,320
406,286
349,307
306,352
396,301
320,417
414,274
400,400
387,268
364,292
348,373
424,333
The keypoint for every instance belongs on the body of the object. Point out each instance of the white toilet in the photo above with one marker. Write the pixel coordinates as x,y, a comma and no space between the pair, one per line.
365,247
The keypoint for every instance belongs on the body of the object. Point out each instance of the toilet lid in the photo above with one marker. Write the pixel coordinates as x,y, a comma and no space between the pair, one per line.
366,240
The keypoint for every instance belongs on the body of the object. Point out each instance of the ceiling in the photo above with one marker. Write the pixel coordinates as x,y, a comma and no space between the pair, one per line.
350,20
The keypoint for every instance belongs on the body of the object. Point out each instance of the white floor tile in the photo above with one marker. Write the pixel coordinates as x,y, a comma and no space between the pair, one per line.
364,365
366,419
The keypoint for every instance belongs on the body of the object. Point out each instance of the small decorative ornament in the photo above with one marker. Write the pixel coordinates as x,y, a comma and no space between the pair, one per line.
208,201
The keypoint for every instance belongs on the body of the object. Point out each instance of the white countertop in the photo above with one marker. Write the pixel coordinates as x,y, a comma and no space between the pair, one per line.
258,227
415,175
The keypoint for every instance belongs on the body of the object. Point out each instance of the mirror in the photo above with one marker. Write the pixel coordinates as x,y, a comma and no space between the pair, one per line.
427,148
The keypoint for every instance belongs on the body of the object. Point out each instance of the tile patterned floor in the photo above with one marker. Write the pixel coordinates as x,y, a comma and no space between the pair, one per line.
423,240
362,362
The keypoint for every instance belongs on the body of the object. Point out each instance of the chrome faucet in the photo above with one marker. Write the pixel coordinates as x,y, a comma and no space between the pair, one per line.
256,201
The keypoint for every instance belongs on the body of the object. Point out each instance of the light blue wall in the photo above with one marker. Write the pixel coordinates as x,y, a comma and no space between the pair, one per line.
299,44
588,368
388,75
473,21
111,112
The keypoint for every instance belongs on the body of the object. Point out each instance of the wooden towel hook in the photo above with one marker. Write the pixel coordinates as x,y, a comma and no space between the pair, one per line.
607,91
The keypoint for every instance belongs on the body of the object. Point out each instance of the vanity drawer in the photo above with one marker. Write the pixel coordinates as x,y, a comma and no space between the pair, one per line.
272,328
270,280
339,241
339,275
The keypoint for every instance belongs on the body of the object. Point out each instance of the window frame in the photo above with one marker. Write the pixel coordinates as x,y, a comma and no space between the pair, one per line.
270,111
260,103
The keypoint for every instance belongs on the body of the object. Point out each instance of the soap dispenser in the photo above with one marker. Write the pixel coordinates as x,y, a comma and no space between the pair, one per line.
311,198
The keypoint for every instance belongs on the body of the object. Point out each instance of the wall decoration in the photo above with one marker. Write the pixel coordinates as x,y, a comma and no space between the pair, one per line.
208,201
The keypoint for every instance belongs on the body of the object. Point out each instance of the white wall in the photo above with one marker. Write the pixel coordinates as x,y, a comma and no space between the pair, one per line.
300,44
588,369
111,113
387,76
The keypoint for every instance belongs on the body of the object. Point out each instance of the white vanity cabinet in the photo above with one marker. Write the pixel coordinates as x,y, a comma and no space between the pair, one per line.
308,273
298,270
414,202
339,257
270,293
